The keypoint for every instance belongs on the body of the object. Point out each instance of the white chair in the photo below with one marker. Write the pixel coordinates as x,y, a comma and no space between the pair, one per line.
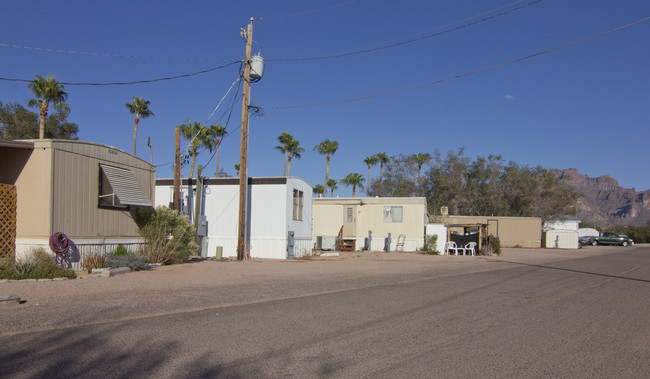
471,247
451,246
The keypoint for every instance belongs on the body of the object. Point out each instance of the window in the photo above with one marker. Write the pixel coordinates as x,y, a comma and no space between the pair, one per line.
393,214
349,215
119,188
107,196
297,205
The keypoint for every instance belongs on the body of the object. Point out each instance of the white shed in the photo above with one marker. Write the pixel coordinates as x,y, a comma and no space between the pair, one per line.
561,239
277,207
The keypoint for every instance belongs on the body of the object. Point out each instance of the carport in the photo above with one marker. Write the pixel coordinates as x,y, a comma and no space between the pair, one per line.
462,234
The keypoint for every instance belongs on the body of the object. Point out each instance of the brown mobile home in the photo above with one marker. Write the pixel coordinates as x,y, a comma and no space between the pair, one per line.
86,190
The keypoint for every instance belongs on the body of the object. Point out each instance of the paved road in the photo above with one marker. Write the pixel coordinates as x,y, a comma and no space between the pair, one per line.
525,314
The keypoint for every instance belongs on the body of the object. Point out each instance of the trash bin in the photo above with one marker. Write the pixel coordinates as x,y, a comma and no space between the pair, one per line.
219,252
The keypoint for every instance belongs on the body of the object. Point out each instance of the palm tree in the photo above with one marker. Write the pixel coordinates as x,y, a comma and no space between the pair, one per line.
420,159
213,137
331,183
293,151
383,158
327,148
195,133
140,108
370,161
237,168
319,190
284,139
354,180
47,91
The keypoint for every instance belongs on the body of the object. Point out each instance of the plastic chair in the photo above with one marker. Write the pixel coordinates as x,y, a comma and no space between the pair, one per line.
471,247
449,246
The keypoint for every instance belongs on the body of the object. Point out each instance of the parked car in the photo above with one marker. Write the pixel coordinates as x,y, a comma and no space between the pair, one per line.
609,238
586,240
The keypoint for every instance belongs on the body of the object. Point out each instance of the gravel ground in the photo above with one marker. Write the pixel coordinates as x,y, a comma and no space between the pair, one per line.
211,284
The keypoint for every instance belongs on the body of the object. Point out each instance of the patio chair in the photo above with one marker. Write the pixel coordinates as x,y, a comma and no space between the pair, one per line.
451,246
471,247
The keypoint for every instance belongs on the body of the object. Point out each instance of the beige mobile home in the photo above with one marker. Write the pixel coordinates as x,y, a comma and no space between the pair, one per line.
355,217
86,190
523,232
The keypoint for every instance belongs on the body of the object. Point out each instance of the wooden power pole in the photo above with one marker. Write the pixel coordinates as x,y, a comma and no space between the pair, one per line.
243,152
177,171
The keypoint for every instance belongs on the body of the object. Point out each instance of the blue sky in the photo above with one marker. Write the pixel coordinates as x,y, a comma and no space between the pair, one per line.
585,106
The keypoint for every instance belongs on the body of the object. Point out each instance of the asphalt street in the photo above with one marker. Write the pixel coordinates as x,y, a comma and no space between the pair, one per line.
581,315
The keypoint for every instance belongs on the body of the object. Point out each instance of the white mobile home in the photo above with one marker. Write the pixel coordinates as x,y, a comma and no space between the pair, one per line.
278,215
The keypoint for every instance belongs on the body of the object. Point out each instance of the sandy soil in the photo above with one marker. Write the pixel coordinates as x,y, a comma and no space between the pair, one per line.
213,284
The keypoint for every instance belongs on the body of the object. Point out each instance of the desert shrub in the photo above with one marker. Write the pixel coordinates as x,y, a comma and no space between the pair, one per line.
169,237
38,264
491,245
119,250
91,261
130,260
430,244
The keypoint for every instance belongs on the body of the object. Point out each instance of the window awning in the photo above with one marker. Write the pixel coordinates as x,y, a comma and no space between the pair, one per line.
126,186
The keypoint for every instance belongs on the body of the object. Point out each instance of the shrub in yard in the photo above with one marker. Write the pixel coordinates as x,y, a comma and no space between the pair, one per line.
130,260
491,245
169,237
91,261
38,264
120,250
430,244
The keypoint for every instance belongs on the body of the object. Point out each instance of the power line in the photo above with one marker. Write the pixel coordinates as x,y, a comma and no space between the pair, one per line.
91,53
467,73
395,44
133,82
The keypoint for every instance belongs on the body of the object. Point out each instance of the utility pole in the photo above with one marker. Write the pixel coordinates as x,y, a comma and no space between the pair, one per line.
243,152
177,171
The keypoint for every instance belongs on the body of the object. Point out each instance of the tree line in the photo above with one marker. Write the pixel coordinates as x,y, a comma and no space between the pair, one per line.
478,187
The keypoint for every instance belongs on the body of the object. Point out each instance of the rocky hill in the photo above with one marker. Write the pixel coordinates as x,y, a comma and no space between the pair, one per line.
604,202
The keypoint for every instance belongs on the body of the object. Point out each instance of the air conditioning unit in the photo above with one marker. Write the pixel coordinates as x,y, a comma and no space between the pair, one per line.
326,243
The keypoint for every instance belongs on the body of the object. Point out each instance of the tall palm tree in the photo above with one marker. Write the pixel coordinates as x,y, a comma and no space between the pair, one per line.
319,190
383,158
213,137
354,180
237,168
327,148
293,151
195,133
331,183
284,140
420,159
370,161
47,91
140,108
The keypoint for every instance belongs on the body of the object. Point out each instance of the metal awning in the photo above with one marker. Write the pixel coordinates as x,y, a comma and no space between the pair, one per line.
126,186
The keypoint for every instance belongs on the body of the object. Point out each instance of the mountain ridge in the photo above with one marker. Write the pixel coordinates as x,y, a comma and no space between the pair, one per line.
604,202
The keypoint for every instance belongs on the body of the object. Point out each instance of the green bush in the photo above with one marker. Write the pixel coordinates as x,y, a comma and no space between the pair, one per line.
169,237
37,265
491,245
430,244
119,250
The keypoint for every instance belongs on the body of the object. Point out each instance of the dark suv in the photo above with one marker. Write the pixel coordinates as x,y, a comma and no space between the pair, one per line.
609,238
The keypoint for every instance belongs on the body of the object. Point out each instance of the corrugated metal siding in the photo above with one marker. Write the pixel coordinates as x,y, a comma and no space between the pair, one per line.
76,186
269,216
